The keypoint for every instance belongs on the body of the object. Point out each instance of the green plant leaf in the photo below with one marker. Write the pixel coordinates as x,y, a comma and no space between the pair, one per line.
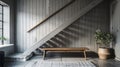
103,38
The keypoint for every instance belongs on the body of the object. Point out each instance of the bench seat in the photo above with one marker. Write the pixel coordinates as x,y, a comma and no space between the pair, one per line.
80,49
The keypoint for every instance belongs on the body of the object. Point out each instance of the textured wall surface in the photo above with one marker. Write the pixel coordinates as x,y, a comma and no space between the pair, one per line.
78,34
115,25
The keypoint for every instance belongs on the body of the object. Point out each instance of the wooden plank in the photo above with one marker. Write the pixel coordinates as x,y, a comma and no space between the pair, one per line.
44,54
85,55
65,49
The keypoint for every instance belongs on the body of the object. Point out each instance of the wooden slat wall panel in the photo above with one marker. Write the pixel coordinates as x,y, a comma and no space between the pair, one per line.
84,28
29,12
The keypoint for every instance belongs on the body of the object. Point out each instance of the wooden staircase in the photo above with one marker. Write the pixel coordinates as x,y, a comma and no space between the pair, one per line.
28,53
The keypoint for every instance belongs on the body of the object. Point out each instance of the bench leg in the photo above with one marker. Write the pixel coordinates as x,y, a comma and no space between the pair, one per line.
85,55
44,55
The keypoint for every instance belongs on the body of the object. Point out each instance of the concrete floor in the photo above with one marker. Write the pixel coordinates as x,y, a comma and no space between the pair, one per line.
32,62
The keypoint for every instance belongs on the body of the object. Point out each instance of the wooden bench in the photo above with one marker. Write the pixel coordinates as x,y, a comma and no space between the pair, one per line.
81,49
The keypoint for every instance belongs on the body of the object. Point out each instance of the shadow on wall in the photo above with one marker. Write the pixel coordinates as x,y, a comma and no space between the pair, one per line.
81,32
74,32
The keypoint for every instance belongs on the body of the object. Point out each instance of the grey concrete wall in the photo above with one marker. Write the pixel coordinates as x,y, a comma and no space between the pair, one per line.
115,25
79,34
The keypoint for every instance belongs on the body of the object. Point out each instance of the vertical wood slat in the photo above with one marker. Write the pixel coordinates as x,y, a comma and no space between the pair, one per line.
44,29
30,21
61,27
46,18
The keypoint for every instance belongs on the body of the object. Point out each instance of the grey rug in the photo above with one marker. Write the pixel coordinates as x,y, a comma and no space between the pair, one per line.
64,64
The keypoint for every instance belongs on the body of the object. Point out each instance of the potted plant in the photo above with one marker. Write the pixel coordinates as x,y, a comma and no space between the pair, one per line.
103,39
2,38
